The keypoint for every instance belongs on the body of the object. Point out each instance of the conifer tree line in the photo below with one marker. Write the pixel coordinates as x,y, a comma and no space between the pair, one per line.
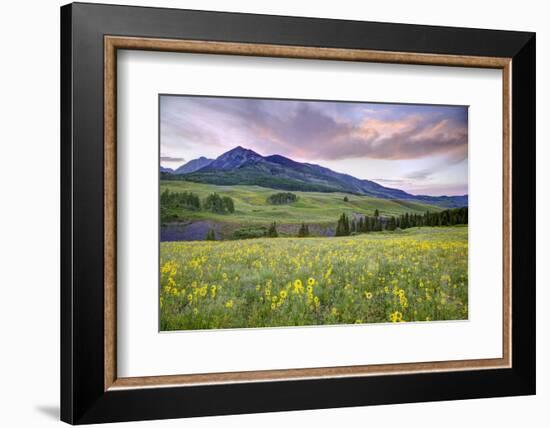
180,200
363,224
189,200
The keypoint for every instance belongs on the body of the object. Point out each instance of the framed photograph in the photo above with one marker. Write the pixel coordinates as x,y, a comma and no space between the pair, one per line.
265,213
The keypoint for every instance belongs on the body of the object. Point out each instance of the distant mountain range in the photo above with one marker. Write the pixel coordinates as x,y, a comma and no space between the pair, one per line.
167,170
193,165
246,167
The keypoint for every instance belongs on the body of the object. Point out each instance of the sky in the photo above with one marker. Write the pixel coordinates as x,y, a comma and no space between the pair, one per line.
422,149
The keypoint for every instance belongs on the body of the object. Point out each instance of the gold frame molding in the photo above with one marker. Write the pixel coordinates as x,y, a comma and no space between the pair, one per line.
113,43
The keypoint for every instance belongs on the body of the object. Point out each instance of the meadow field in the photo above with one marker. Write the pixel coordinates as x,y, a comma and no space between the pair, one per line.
319,210
416,274
315,207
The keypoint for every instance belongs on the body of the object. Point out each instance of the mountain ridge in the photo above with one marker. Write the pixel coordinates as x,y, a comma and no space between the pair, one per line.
193,165
244,166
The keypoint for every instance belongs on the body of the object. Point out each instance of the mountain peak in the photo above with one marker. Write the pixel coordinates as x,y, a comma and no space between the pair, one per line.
240,149
234,158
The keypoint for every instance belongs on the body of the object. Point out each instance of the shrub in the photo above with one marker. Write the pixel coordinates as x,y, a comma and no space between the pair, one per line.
250,232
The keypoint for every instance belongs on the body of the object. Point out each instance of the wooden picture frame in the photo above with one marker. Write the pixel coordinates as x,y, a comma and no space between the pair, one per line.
91,390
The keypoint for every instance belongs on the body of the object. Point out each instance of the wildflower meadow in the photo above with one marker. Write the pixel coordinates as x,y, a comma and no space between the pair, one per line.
418,274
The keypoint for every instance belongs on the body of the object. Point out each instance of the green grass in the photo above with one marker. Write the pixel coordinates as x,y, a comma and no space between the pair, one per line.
418,274
251,206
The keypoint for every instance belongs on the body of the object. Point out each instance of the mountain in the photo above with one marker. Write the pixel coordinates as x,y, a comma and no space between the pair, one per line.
166,170
244,166
193,165
234,159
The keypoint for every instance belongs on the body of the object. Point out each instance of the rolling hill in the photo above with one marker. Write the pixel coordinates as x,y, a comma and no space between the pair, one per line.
252,207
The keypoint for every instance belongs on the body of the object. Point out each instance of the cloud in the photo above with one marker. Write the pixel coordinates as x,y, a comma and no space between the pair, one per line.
317,130
422,174
390,180
171,159
412,137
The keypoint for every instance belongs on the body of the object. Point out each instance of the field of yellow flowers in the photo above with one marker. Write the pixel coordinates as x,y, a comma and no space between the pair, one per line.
418,274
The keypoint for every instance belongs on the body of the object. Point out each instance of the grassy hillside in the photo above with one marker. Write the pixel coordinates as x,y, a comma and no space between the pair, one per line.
251,206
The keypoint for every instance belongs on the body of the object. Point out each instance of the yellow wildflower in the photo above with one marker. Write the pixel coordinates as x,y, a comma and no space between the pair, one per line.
298,288
396,316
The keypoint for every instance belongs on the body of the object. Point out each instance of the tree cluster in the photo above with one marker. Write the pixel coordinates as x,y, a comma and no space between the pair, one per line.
186,200
219,204
364,224
189,200
282,198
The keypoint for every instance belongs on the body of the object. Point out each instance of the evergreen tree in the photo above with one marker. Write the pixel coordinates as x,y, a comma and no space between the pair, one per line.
303,231
272,231
376,213
361,225
346,199
343,226
444,218
369,224
405,221
338,231
210,235
228,204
